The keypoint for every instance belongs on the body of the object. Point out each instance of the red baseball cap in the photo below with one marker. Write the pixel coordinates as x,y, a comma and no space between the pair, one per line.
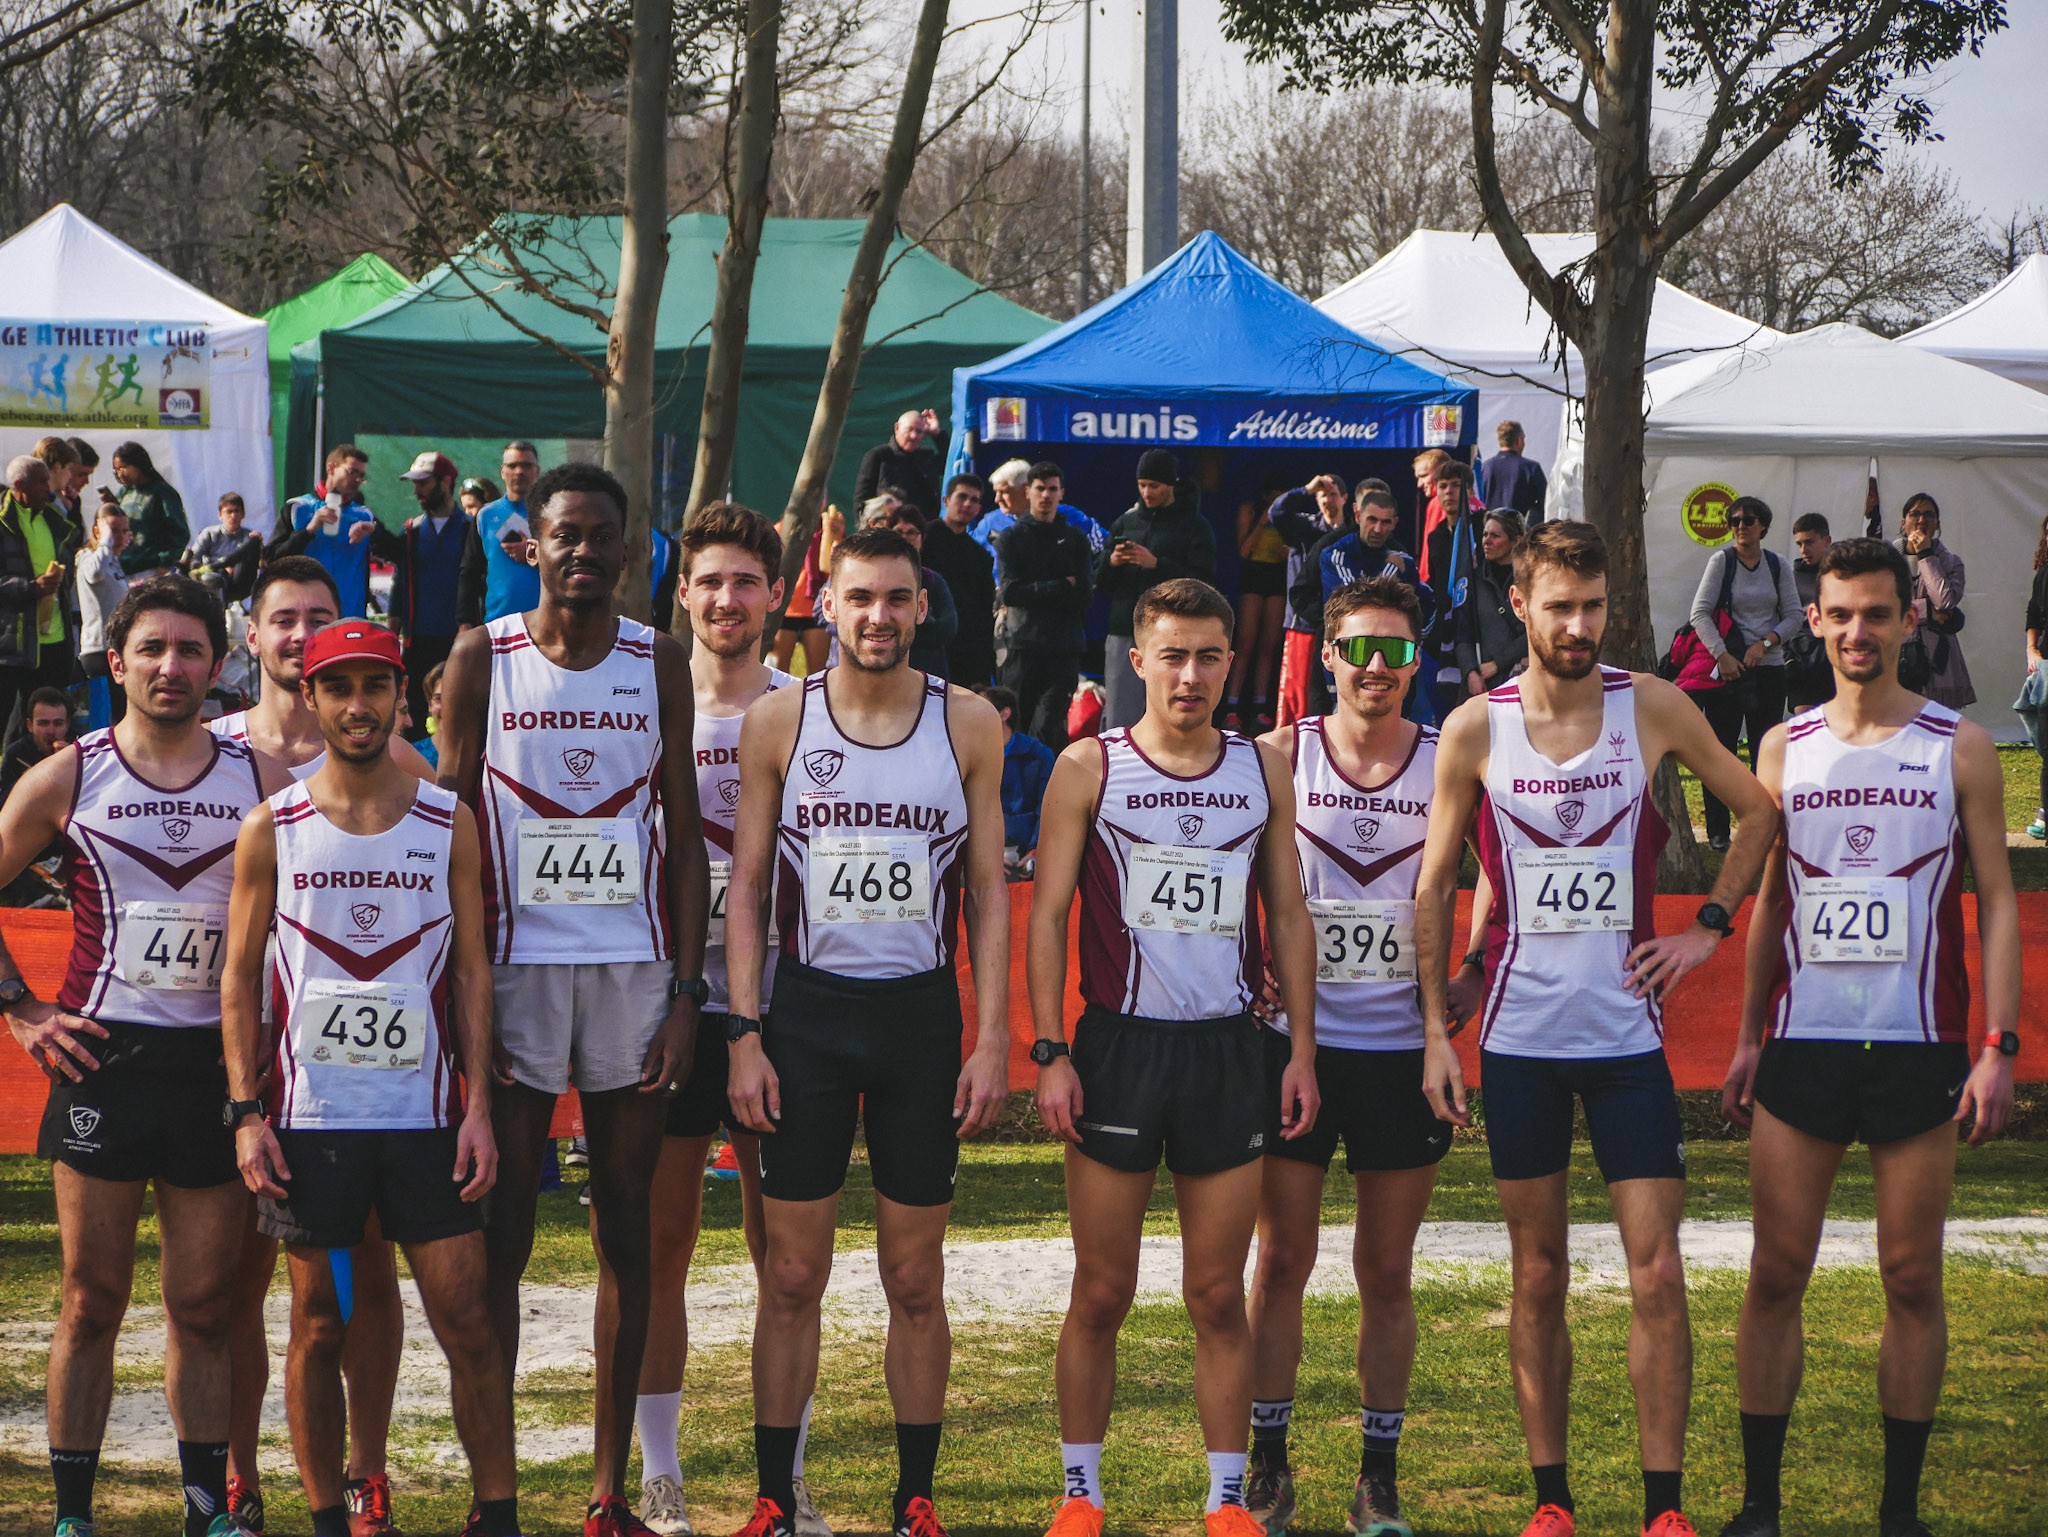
352,640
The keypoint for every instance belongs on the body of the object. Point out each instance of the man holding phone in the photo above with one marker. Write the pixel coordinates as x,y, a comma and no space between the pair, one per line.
334,528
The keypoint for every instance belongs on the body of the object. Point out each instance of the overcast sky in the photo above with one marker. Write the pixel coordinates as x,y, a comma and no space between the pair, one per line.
1988,110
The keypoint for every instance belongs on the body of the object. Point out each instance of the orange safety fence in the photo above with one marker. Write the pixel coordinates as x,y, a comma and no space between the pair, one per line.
1700,1021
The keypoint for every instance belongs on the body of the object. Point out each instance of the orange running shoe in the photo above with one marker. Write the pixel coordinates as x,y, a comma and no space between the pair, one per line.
1078,1518
245,1503
1549,1521
369,1507
1233,1521
767,1521
1670,1524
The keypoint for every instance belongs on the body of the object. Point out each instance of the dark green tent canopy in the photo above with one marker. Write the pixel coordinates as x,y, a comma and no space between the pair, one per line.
440,360
359,287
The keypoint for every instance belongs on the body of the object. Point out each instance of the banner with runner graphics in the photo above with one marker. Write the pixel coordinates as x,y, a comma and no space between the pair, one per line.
135,374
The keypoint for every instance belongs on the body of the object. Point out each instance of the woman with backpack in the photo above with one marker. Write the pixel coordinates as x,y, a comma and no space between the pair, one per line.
1746,607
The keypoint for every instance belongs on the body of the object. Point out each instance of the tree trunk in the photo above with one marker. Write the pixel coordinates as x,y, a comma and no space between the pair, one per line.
753,142
643,258
807,496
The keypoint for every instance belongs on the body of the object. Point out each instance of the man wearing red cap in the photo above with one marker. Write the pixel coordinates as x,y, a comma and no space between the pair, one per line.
371,882
426,590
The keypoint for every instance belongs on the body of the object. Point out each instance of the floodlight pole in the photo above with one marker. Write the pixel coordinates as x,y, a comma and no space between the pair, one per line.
1155,139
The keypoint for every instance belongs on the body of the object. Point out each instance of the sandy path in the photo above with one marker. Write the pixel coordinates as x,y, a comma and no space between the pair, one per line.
984,1281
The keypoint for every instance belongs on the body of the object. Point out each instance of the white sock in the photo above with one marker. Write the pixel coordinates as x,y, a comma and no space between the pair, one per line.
1083,1462
1226,1480
803,1434
655,1416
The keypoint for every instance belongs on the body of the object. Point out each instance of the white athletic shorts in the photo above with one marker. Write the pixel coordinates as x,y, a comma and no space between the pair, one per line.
586,1025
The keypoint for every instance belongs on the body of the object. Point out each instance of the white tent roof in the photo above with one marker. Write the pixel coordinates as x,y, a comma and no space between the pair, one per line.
2004,330
1454,297
65,267
1838,389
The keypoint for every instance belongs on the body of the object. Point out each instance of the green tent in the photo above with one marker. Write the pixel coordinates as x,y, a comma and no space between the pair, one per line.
438,364
361,286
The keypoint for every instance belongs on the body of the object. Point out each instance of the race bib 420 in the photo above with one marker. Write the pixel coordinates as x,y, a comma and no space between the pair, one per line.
580,862
1853,918
1574,891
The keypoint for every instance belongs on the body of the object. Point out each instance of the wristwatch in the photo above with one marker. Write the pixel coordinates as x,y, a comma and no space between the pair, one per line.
233,1112
1715,917
12,991
2007,1042
689,987
1476,958
739,1025
1043,1051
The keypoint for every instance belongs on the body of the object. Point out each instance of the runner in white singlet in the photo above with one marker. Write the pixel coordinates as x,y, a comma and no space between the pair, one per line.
569,729
367,879
872,798
1363,780
147,813
293,600
1855,1020
1556,767
1179,839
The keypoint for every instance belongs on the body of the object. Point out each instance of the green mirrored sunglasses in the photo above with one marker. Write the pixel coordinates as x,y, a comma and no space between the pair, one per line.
1359,650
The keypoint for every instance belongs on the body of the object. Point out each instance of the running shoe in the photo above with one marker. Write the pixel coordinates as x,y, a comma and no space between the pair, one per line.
1376,1510
1269,1496
1078,1518
1232,721
919,1520
1751,1522
474,1526
583,1196
578,1156
661,1507
369,1507
2038,828
1670,1524
767,1521
227,1524
613,1517
1549,1521
726,1166
1902,1526
1232,1521
74,1526
246,1501
809,1523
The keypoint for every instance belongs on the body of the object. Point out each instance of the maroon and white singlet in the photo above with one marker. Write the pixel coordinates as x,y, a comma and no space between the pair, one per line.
870,844
1571,852
716,740
148,870
1874,880
1169,881
235,728
359,995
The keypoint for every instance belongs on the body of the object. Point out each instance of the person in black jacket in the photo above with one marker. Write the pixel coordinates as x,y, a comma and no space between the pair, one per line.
1164,536
426,586
970,571
1492,643
903,467
1042,628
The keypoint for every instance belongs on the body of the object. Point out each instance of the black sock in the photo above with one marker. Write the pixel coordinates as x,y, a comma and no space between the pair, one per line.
73,1473
203,1467
1660,1493
1381,1441
917,1459
498,1518
1551,1488
1270,1417
1763,1460
775,1464
1905,1449
331,1522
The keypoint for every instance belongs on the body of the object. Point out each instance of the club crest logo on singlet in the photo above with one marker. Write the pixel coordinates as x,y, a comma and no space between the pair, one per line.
578,761
1860,838
1190,827
1568,814
728,793
823,765
177,829
1367,829
366,915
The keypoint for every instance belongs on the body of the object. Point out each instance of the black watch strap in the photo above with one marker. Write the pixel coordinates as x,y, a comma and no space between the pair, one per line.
1476,958
737,1025
12,991
235,1110
1043,1051
1714,916
690,987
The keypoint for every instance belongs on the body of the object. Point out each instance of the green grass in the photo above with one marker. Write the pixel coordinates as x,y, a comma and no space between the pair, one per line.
1463,1468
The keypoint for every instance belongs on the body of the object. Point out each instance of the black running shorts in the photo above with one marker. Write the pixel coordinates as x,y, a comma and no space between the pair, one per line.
881,1052
1192,1091
152,1110
700,1107
1862,1091
1631,1112
1372,1101
340,1177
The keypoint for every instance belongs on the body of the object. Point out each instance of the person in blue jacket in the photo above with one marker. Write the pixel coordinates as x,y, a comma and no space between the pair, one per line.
1027,768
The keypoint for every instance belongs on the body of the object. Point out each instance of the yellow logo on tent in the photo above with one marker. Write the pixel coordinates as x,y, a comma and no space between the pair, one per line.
1704,513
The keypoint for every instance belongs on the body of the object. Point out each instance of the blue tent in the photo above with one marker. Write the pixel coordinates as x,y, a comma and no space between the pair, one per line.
1205,351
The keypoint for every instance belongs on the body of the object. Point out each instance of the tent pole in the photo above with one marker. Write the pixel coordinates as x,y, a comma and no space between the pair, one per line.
1087,165
319,421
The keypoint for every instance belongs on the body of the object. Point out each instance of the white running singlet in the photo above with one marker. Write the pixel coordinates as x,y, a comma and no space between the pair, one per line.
1169,884
716,740
1874,882
1361,849
570,804
148,870
363,930
235,728
1571,852
870,844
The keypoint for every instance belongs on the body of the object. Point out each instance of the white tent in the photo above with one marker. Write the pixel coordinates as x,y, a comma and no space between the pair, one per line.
2004,329
1451,302
65,270
1799,421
